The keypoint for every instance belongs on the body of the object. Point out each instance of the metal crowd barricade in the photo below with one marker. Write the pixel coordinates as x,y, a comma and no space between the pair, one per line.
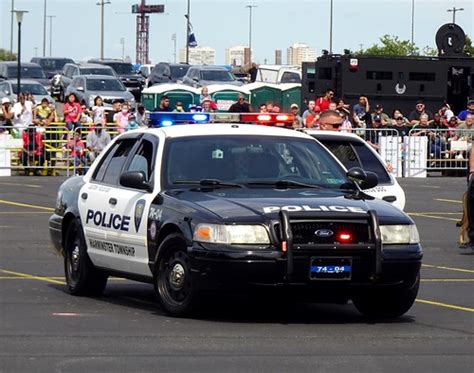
44,150
440,150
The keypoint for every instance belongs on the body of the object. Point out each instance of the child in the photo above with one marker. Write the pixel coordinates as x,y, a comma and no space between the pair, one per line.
98,110
132,123
77,150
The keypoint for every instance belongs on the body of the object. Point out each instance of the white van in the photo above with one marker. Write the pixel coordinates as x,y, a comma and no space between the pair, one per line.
279,74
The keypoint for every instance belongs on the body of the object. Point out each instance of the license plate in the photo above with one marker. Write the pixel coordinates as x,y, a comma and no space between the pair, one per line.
330,269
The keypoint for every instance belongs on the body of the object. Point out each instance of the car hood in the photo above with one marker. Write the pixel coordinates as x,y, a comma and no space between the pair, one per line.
110,94
257,204
209,82
131,77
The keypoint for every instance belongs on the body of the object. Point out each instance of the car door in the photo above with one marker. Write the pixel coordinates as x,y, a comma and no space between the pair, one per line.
115,217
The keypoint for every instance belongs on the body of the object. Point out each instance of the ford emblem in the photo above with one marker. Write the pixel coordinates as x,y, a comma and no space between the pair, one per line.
324,233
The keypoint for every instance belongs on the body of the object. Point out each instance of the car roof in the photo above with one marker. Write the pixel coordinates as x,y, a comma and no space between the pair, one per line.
52,58
98,77
219,129
333,135
210,67
93,65
108,60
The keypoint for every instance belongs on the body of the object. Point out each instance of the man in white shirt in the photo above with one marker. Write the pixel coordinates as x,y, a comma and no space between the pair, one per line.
22,113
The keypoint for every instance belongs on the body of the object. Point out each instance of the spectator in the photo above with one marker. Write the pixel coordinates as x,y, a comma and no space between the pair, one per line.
270,106
400,126
437,122
332,106
132,123
276,108
379,112
253,72
77,150
97,140
116,107
465,129
30,97
263,108
324,101
396,115
469,110
32,154
420,109
86,119
72,112
311,115
141,116
346,125
6,114
42,114
121,118
446,113
360,113
425,128
373,132
206,96
164,104
206,106
330,120
22,113
178,107
298,120
342,107
241,106
98,111
452,125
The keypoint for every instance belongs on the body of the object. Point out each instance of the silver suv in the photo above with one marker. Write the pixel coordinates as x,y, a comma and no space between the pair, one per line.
199,76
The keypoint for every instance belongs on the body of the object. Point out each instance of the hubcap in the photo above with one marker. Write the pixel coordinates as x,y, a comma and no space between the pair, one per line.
75,258
176,276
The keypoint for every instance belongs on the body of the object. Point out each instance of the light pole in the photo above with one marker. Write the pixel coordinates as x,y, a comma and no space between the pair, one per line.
412,22
101,4
173,37
250,32
44,29
11,27
122,41
36,51
19,19
188,30
330,26
454,10
51,35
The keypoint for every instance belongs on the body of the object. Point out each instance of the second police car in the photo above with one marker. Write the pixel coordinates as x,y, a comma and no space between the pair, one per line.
207,207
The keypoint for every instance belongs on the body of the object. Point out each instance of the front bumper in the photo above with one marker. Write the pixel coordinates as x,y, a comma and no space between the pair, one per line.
55,232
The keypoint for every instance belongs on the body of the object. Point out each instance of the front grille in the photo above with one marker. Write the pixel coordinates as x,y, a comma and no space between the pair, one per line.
305,233
111,100
131,83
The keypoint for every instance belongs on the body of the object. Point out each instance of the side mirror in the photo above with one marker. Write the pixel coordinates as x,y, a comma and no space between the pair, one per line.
80,89
135,180
365,179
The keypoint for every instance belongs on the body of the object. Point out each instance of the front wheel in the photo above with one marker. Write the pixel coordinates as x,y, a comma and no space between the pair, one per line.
82,277
386,303
172,278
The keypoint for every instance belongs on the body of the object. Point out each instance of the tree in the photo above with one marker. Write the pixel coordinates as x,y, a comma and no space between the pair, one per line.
469,48
391,46
6,55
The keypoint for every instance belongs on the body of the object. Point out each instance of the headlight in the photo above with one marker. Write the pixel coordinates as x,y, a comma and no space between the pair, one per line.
231,234
399,234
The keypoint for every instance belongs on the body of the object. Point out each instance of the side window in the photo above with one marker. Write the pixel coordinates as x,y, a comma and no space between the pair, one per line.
344,152
143,159
110,169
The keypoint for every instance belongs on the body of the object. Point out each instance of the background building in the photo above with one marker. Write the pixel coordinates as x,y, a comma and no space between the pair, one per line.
199,56
235,56
278,57
300,52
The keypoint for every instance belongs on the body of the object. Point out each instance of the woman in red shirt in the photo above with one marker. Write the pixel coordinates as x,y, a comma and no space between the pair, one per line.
72,112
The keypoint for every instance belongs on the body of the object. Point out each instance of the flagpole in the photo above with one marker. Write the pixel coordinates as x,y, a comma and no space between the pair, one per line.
187,31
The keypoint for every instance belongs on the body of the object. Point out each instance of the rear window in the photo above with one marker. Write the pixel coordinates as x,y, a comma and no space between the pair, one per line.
217,75
357,154
54,64
97,71
178,71
26,72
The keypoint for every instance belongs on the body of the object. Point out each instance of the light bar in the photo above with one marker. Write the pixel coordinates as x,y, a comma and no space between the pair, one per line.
166,119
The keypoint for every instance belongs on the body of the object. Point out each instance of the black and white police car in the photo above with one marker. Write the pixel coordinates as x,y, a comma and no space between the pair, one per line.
205,207
353,151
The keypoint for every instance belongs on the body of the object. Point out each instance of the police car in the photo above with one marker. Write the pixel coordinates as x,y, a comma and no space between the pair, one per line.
219,206
353,151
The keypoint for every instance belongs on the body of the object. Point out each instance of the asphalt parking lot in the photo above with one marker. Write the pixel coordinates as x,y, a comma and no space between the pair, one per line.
43,329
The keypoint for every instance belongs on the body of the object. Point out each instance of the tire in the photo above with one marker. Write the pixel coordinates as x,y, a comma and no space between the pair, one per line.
173,282
386,303
82,278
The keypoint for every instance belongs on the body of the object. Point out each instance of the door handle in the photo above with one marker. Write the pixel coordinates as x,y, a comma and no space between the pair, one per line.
84,195
113,201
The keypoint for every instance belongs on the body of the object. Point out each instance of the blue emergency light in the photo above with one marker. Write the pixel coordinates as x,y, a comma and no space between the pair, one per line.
165,119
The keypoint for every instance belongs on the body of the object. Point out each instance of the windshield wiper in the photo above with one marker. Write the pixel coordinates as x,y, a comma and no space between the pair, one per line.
212,183
283,184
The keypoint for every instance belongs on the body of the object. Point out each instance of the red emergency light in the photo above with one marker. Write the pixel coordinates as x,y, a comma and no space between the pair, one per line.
344,237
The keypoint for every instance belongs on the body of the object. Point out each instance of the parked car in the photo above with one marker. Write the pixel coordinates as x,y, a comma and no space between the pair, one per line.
145,69
279,74
9,89
165,72
110,88
202,75
353,151
71,70
125,71
9,70
51,65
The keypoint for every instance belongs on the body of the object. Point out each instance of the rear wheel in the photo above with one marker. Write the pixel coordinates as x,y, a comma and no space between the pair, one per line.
386,303
82,277
172,278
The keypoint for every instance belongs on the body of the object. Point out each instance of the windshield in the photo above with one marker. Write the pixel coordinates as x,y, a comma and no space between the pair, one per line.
217,75
35,89
243,159
178,71
26,72
54,64
122,68
97,71
356,154
104,85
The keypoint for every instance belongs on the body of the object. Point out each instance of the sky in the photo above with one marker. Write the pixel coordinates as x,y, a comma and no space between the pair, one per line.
276,24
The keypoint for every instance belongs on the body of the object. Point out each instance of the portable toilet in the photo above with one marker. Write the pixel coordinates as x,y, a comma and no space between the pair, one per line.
261,92
290,94
224,95
188,95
